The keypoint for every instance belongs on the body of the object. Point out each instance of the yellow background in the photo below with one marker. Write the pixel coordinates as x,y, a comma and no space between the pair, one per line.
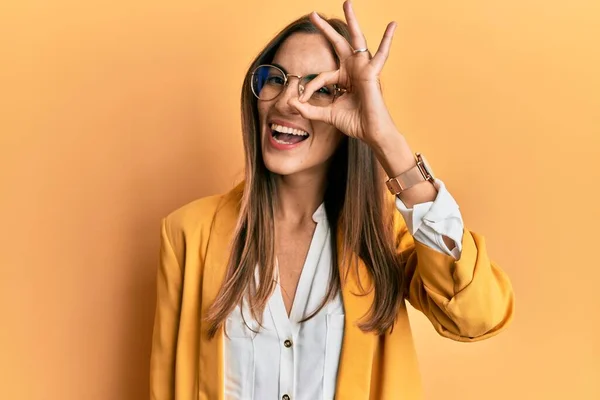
114,113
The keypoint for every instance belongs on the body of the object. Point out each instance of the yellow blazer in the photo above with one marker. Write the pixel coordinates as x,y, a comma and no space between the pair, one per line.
466,300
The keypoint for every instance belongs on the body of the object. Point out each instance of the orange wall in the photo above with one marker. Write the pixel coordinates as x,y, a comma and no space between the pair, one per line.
114,113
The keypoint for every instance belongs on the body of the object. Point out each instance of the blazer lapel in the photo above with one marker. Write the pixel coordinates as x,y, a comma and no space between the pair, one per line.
215,265
358,347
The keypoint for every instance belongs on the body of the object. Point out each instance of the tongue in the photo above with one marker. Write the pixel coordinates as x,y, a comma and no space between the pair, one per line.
289,138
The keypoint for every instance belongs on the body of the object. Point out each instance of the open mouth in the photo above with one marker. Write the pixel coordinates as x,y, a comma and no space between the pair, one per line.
285,135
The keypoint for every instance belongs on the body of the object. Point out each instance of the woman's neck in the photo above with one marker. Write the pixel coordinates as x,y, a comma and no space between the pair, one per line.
299,196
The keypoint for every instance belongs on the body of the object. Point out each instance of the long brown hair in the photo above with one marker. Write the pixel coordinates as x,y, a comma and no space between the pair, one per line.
354,204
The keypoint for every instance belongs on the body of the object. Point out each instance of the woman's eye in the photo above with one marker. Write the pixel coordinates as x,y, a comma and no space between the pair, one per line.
324,92
275,80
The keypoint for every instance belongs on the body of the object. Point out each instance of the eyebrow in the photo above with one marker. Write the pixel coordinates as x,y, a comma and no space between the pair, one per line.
280,67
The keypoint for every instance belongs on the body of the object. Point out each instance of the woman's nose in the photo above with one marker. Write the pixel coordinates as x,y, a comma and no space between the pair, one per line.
294,84
292,89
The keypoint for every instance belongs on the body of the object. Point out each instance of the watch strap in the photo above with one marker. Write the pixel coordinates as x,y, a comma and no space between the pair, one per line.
409,178
405,180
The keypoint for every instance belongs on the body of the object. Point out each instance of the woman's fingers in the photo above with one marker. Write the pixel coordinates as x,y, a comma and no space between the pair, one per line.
341,45
358,40
323,79
307,110
383,51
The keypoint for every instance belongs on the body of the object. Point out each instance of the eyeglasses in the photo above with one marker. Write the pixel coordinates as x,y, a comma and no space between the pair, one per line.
268,81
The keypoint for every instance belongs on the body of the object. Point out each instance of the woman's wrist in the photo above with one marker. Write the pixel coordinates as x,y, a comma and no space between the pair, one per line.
395,156
393,152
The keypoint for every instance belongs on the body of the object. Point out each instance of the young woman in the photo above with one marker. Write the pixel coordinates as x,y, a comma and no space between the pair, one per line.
293,285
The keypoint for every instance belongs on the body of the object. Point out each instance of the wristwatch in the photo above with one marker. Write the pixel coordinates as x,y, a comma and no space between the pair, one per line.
419,173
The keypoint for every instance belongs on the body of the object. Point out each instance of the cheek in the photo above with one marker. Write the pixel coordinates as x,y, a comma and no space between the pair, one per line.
263,111
331,139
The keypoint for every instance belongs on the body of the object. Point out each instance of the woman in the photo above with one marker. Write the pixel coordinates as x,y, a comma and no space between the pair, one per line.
293,284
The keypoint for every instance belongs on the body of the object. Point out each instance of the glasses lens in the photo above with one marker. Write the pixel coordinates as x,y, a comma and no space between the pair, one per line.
267,82
321,97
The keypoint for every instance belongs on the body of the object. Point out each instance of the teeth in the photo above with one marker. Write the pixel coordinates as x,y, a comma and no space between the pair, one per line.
280,141
291,131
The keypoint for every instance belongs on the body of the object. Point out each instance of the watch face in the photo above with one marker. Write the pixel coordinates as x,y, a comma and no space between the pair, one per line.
427,167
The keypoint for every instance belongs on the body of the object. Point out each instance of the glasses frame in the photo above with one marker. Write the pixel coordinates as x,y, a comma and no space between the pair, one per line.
338,91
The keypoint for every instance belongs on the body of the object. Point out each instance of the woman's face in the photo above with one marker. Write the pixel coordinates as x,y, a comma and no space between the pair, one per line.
300,54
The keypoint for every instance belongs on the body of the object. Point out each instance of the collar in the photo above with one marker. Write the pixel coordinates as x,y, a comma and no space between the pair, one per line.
320,215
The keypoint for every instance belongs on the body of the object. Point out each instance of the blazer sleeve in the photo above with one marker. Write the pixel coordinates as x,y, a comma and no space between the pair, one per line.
166,320
468,299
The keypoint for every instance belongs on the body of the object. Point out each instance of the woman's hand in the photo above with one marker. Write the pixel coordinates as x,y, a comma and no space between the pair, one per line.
360,112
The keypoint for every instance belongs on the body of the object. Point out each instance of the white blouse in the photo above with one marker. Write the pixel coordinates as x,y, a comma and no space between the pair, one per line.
289,360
